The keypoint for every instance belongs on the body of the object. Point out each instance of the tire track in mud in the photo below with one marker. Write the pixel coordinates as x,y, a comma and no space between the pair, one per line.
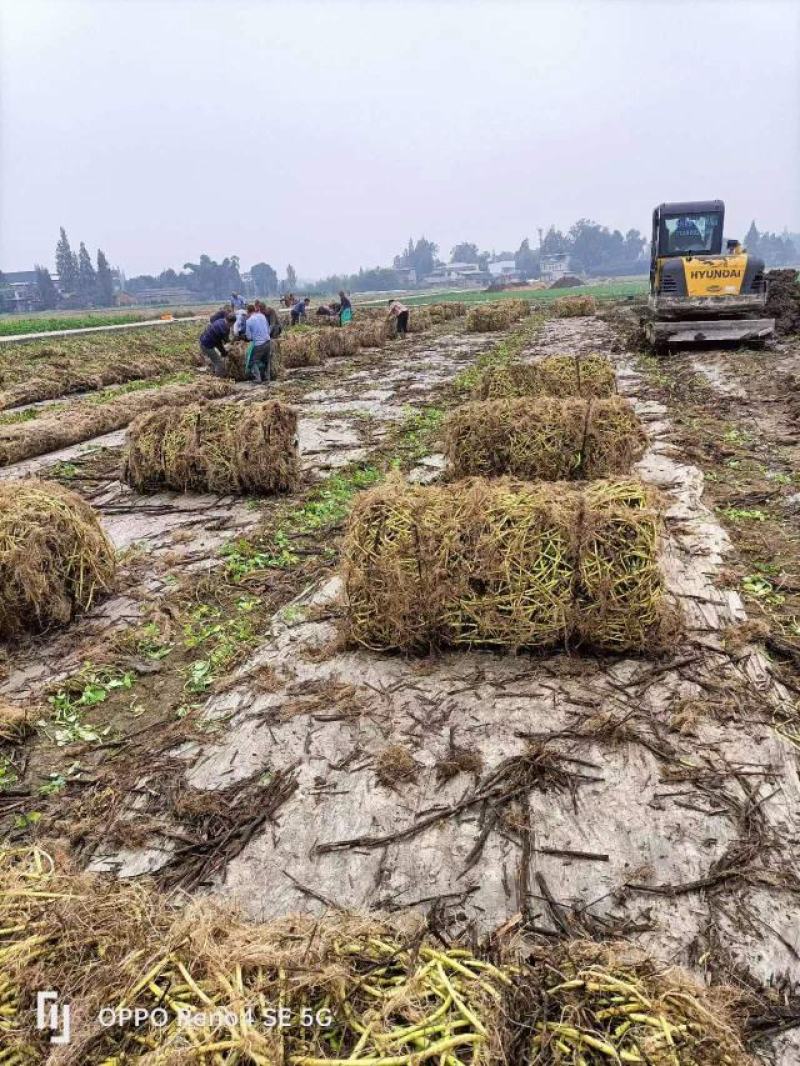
660,802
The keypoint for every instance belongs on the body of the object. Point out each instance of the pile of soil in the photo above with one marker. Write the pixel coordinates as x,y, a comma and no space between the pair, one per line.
569,281
783,300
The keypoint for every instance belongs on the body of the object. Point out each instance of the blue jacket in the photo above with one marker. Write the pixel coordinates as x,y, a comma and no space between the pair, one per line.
215,334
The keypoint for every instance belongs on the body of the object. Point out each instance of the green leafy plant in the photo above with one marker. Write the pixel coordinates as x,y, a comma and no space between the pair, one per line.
69,705
762,589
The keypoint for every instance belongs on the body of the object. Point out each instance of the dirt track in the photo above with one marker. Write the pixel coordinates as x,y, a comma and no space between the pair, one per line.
606,797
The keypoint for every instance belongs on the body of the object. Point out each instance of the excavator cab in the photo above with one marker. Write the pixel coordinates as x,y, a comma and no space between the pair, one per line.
698,293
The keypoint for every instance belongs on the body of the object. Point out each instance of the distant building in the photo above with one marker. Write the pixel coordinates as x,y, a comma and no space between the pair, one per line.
21,291
407,275
456,274
163,296
504,270
554,266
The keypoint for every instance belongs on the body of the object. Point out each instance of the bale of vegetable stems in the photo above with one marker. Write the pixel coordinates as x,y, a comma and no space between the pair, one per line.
556,375
506,563
89,418
574,306
220,448
444,312
543,438
594,1004
55,559
104,940
110,941
300,347
489,317
372,334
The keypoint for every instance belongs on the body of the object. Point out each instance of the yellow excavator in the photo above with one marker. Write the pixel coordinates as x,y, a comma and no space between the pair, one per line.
698,293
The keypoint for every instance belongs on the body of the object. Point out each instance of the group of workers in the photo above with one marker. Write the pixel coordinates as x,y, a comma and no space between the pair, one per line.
259,325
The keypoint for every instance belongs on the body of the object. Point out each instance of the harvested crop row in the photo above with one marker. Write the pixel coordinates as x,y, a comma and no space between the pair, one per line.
557,375
46,369
55,558
490,317
505,563
545,438
87,420
574,306
354,989
307,346
224,448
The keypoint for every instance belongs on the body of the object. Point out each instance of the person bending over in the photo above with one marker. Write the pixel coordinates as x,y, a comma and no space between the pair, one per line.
212,343
298,312
399,312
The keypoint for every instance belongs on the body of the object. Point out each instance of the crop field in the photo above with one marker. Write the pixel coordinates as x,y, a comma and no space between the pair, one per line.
46,322
446,689
622,288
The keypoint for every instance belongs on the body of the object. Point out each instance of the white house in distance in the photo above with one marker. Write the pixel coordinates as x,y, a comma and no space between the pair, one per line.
554,266
455,274
504,270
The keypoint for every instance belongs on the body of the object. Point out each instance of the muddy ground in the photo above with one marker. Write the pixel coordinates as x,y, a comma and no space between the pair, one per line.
653,799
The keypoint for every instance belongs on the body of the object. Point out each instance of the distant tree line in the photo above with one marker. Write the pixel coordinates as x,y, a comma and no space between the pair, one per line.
591,249
774,250
210,280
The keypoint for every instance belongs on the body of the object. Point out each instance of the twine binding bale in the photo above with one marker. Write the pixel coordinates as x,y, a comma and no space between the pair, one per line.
619,581
556,375
221,448
544,438
574,306
506,563
55,559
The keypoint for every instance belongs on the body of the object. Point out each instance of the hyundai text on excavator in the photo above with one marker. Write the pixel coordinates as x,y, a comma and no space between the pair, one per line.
698,292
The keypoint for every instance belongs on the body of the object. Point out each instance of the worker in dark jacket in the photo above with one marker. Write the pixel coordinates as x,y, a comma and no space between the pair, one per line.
212,343
298,312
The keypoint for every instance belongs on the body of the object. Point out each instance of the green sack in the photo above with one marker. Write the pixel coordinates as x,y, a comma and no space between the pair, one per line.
249,358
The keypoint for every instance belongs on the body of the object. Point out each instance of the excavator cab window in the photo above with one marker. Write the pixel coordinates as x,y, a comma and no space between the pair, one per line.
694,233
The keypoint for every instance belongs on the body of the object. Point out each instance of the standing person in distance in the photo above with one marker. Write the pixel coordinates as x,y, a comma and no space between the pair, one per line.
237,301
399,312
345,308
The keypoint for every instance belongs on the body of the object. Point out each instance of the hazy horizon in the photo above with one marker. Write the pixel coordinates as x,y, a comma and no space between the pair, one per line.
327,134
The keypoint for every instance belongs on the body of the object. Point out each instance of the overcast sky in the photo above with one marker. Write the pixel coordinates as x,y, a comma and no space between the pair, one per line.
326,133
